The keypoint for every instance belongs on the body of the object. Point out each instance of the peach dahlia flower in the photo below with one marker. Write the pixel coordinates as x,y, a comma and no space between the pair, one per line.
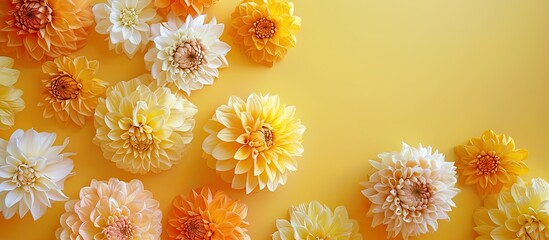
410,191
490,162
112,209
265,29
44,29
207,214
253,144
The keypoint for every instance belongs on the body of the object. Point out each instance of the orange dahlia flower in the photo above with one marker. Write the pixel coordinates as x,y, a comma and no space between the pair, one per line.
182,8
44,29
490,162
265,29
207,214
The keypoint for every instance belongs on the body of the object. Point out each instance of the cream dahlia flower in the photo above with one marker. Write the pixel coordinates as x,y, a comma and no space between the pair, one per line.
127,22
112,210
10,97
142,127
188,53
254,143
411,190
32,173
317,221
521,213
71,89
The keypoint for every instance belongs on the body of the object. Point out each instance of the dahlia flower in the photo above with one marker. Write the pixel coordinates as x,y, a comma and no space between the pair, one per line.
410,191
10,97
522,213
490,162
32,173
44,29
207,214
142,127
71,89
317,221
127,22
184,8
112,209
254,143
265,29
187,53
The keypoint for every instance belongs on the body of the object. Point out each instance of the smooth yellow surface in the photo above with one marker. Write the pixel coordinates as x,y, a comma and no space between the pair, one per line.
365,76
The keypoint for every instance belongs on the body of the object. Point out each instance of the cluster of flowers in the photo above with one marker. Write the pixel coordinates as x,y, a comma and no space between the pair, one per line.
144,125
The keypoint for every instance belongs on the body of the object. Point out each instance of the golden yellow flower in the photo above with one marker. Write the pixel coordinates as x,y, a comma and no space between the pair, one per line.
71,89
490,162
253,144
265,29
10,97
143,127
521,213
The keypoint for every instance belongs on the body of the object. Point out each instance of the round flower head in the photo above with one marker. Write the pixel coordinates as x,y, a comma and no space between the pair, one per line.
317,221
43,29
71,89
207,214
490,162
112,209
32,173
186,53
142,127
265,29
411,190
253,143
10,97
522,213
184,8
127,22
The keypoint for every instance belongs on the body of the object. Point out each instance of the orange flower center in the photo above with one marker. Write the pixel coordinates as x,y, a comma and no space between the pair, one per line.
262,140
414,194
194,228
25,177
140,138
119,228
264,28
64,87
531,227
487,163
32,15
190,55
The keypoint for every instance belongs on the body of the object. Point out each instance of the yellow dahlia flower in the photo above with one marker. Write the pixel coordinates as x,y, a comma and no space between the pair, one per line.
253,143
10,97
71,89
265,29
522,213
207,214
142,127
490,162
112,209
317,221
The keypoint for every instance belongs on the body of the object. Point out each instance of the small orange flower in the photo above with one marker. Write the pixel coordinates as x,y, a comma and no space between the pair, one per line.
490,162
44,29
265,29
182,8
207,214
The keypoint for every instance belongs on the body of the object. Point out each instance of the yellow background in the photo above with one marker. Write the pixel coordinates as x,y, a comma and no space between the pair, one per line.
365,76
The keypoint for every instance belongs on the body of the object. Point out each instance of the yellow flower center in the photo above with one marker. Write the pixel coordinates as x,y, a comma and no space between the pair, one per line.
64,87
194,228
264,28
487,163
119,228
141,138
190,55
25,177
262,140
531,227
129,17
32,15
